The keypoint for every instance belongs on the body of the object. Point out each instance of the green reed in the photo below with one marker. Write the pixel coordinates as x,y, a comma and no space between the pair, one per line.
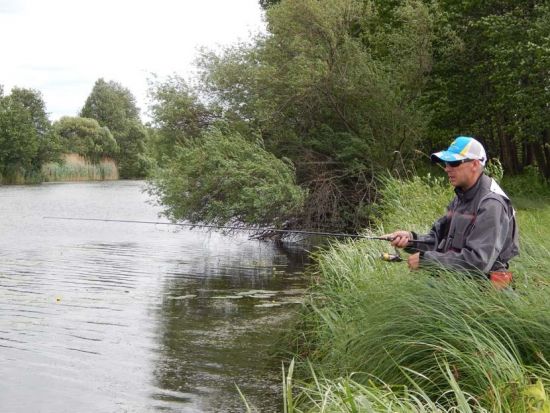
75,168
377,337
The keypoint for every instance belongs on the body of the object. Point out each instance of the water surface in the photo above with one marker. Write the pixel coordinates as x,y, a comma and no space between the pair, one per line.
118,317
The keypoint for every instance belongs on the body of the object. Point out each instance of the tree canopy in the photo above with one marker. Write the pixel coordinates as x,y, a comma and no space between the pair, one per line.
113,106
496,85
327,91
85,137
347,90
178,115
223,178
26,138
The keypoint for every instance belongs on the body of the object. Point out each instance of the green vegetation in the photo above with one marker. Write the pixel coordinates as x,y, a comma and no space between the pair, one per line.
26,139
494,83
76,168
178,116
227,178
32,148
85,137
380,338
328,92
350,89
114,107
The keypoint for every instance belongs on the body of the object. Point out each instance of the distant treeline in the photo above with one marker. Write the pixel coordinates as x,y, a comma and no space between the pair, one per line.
107,126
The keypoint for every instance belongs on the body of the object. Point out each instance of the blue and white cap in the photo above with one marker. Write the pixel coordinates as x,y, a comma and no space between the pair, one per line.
463,147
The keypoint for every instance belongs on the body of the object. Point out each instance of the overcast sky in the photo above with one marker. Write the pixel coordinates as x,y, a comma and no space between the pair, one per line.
61,47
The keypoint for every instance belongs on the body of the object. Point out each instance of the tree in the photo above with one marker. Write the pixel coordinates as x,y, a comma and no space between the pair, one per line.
135,164
19,142
32,101
223,178
86,137
334,87
114,107
496,84
178,115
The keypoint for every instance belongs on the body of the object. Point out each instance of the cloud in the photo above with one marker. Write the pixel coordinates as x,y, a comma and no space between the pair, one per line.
61,47
11,6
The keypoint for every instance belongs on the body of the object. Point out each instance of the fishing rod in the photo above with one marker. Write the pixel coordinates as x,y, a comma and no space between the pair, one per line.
235,228
396,257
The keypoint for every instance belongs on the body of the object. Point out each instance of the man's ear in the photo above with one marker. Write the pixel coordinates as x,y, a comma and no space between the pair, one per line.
478,165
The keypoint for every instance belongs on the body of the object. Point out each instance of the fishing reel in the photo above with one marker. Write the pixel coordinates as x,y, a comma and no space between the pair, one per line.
386,256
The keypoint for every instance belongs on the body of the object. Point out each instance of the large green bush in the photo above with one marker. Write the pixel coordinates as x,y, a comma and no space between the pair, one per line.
222,179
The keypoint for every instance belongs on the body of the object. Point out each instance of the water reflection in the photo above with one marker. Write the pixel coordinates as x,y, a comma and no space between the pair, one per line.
116,317
216,333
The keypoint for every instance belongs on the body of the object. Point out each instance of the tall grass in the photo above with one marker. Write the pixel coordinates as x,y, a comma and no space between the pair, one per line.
76,168
20,176
377,337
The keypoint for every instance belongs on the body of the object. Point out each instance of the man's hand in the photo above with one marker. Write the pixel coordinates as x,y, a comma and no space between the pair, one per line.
400,239
414,261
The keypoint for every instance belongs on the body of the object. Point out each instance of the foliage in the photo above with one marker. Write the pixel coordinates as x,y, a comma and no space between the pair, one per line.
85,137
414,342
495,83
114,107
177,113
268,3
76,168
48,145
26,138
405,201
19,138
333,87
494,169
528,184
222,178
134,163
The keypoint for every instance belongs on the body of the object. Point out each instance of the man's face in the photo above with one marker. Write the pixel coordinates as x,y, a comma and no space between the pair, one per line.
464,175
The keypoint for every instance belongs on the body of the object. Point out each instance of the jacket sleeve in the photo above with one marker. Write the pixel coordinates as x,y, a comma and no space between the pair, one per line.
483,243
431,239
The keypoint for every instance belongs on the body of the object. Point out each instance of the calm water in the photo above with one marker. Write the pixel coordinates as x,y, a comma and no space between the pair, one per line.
113,317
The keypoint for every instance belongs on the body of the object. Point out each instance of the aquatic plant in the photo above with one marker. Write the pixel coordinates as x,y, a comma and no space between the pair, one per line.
76,168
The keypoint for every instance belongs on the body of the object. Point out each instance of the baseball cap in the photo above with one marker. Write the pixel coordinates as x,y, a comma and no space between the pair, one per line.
463,147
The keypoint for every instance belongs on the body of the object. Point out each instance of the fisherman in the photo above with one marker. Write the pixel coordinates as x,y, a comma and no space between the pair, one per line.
479,231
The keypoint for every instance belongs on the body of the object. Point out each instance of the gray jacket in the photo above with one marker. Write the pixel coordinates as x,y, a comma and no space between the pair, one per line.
478,233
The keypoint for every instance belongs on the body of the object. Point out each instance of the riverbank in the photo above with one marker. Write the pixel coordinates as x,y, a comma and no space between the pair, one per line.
76,168
375,337
72,167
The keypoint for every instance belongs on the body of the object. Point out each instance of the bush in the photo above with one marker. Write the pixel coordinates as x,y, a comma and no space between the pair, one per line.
222,178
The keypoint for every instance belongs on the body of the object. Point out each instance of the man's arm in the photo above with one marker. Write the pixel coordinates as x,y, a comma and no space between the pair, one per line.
429,240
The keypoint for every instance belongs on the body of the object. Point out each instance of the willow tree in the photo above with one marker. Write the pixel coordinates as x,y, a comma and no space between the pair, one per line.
178,115
85,137
333,87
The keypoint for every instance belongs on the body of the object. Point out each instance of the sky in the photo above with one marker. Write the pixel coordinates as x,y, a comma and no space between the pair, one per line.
61,47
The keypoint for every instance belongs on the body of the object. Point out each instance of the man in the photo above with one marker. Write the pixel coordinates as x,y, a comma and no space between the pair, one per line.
479,232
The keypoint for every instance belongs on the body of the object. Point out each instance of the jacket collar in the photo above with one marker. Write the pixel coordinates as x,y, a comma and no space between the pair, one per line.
472,192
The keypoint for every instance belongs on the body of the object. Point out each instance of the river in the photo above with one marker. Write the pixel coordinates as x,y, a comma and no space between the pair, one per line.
120,317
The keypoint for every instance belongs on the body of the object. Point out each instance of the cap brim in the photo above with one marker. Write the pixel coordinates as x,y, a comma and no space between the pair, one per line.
446,156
